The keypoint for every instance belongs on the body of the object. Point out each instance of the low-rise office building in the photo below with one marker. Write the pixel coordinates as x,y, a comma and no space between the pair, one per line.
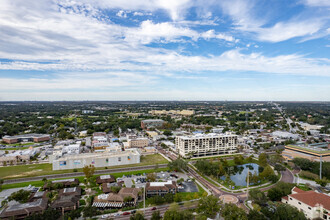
313,204
200,145
172,112
68,199
26,138
100,141
117,200
131,156
105,179
65,182
21,211
138,142
285,135
152,123
161,188
313,152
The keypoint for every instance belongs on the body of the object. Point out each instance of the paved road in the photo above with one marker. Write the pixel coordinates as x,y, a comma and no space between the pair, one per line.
77,174
148,212
287,176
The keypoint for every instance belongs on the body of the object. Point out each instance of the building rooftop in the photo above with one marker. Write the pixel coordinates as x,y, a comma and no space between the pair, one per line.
20,206
65,180
313,198
161,183
105,177
26,136
100,155
152,120
69,190
320,148
209,135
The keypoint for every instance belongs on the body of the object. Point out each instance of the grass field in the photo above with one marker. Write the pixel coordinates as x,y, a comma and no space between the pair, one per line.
215,157
19,144
13,172
80,178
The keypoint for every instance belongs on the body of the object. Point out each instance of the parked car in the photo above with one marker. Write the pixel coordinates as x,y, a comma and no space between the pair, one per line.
126,213
133,211
153,208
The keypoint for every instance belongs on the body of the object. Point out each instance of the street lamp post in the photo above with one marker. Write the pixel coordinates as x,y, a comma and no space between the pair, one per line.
144,200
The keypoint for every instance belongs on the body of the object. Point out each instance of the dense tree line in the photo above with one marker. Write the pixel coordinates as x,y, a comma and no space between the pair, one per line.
313,166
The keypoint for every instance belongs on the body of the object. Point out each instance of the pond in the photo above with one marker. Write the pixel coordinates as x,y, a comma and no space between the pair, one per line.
239,173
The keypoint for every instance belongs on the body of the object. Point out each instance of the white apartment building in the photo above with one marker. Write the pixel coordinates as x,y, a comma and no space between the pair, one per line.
313,204
206,144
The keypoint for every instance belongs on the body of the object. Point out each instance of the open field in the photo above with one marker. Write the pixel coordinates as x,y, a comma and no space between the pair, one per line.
81,178
19,144
13,172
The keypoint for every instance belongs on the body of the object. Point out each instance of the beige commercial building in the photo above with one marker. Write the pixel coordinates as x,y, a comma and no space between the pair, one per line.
138,142
172,112
311,152
206,144
314,205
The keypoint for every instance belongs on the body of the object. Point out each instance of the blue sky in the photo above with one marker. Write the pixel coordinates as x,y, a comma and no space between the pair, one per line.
165,50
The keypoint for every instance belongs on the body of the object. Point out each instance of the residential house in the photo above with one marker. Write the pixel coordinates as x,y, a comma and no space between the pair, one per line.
313,204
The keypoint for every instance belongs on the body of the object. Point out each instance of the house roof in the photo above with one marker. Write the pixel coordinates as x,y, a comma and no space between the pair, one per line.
133,192
297,190
25,208
65,201
313,199
161,185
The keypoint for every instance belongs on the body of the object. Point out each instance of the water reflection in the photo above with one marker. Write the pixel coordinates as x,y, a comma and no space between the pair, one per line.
239,173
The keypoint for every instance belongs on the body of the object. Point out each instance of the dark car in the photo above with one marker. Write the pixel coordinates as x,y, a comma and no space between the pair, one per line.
153,208
134,211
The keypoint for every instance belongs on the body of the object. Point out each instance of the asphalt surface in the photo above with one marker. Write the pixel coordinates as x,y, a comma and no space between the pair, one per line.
148,212
77,174
286,176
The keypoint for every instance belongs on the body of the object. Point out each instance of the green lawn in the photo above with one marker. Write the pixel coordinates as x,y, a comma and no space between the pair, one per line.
19,144
21,171
80,178
216,157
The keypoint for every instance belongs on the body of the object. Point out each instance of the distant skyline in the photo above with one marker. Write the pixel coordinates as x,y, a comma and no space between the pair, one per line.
240,50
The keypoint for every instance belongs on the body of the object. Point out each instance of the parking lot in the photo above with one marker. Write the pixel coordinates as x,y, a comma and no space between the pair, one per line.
140,180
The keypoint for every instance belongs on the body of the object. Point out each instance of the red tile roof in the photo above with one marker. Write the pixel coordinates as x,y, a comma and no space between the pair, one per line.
297,190
313,199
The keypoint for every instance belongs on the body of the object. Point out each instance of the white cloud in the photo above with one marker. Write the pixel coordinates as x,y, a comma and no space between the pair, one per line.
317,3
248,18
138,13
121,14
76,39
283,31
211,34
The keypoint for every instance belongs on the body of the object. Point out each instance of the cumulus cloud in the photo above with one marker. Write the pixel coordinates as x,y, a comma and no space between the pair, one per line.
91,51
121,14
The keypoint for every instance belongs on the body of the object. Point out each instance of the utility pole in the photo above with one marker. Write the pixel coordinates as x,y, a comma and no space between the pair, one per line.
247,183
320,167
144,201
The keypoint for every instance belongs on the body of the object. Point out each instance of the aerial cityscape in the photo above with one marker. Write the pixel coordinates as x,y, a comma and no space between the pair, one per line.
165,109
